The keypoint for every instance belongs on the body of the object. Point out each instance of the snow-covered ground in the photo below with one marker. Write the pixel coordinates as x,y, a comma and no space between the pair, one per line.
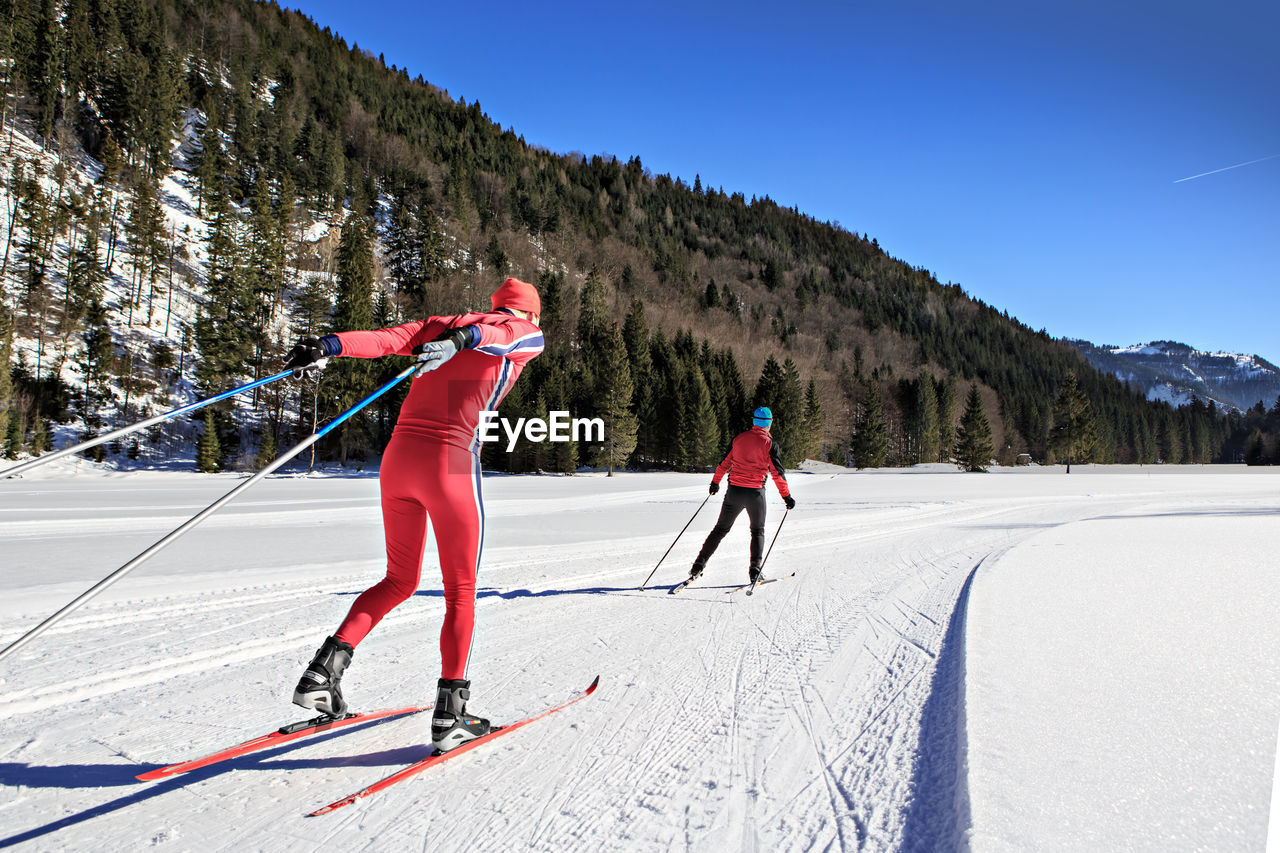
1023,660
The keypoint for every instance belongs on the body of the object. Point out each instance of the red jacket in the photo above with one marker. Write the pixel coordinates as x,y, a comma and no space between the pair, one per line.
752,456
445,404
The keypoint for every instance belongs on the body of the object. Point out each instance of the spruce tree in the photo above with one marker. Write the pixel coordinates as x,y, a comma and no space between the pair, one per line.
973,436
788,428
15,432
945,392
6,380
223,334
870,443
1074,433
701,435
769,387
267,451
813,426
926,419
353,309
635,334
593,323
613,393
209,450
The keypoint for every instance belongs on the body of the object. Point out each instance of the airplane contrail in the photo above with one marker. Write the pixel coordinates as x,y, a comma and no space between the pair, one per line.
1226,168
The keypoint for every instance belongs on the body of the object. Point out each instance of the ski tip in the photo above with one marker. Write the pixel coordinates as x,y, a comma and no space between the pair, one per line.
152,775
594,685
345,801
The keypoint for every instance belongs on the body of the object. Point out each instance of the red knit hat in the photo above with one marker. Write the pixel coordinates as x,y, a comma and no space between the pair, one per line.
519,295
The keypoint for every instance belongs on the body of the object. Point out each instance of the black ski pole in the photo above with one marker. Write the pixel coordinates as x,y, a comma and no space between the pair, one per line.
771,543
203,514
677,539
770,551
775,539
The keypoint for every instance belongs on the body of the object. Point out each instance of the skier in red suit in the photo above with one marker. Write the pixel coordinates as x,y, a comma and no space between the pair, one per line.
430,471
751,459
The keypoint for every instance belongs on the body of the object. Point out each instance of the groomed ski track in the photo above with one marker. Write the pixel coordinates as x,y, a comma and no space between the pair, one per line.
825,713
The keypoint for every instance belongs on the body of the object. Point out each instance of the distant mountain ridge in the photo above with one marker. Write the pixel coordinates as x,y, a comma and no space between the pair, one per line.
1174,372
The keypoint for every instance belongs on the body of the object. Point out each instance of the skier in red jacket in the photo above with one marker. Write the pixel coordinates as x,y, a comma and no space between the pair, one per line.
430,471
752,457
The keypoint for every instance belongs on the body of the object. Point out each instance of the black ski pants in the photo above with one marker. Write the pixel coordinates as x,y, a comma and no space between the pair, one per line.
736,499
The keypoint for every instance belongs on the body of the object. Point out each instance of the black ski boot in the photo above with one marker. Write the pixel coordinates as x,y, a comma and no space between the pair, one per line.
319,687
754,573
696,571
451,725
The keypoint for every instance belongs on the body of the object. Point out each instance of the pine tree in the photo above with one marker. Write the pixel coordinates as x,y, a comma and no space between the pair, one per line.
1074,433
635,334
779,388
353,309
95,361
16,431
945,392
39,436
1255,448
222,334
813,426
6,380
267,451
613,391
593,323
973,436
144,230
870,444
769,387
926,419
700,434
209,451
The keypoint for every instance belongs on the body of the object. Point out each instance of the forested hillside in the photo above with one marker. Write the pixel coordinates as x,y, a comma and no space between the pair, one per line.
190,186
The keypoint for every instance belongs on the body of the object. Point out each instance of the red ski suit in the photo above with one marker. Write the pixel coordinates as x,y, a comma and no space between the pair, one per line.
431,468
751,457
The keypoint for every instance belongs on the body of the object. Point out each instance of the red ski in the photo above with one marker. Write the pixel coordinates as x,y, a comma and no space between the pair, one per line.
294,731
438,757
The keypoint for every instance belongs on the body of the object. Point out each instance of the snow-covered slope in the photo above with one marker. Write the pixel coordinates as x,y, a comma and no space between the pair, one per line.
1174,373
1021,660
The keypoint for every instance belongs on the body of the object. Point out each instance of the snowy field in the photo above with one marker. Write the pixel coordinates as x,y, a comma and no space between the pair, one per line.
1022,660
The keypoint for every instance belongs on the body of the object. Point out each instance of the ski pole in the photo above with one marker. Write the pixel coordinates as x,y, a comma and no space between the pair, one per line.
202,515
775,539
677,539
760,575
94,442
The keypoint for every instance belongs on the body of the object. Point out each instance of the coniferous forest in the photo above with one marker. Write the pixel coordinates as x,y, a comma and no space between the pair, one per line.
189,187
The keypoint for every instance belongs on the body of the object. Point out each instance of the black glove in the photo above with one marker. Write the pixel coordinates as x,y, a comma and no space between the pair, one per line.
307,358
432,355
714,487
790,502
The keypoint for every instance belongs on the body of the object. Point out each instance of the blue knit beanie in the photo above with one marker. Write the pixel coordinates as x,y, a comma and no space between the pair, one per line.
762,417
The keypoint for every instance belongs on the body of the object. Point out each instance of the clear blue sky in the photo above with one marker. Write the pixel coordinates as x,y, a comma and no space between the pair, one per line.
1031,154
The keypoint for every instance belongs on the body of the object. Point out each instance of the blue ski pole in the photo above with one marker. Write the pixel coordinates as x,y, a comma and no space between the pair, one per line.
203,514
94,442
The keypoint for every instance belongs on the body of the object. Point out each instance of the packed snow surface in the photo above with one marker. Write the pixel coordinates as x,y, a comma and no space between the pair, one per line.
1023,660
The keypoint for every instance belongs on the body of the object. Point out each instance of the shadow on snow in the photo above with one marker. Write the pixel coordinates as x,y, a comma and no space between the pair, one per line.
72,776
